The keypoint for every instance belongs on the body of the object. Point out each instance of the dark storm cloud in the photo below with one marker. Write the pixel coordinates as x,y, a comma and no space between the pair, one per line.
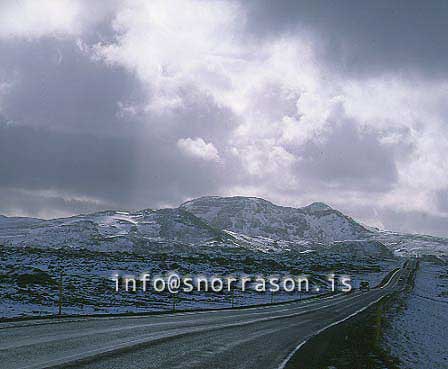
64,134
350,158
53,83
398,220
67,135
198,116
442,200
19,202
415,222
79,132
51,171
363,37
39,158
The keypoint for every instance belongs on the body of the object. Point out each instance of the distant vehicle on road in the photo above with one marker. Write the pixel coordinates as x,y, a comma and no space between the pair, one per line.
364,286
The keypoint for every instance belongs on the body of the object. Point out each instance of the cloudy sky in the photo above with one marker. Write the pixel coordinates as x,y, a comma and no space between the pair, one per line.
135,104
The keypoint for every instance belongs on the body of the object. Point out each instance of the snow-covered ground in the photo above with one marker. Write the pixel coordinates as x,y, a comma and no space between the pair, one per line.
240,222
418,336
28,278
212,236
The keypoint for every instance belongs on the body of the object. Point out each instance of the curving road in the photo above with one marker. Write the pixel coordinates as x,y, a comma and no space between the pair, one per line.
258,337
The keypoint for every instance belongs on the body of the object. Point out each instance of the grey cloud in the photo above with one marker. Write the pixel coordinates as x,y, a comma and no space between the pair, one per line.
360,37
115,164
441,198
65,135
414,221
18,202
395,219
53,83
39,159
69,149
348,158
114,172
198,116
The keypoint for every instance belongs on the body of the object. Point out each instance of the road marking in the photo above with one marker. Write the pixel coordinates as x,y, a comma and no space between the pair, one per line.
295,309
153,324
391,278
300,345
150,338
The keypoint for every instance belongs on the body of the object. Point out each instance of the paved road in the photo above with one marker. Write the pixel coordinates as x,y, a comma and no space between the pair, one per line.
260,337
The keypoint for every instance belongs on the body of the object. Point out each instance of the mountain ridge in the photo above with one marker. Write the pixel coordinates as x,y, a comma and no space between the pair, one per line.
211,221
259,217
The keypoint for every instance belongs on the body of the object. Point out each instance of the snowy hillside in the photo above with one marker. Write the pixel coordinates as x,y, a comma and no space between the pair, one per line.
258,217
213,236
110,230
217,222
413,244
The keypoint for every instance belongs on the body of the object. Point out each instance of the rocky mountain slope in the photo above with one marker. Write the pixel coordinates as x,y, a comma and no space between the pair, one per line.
111,230
215,222
257,217
211,236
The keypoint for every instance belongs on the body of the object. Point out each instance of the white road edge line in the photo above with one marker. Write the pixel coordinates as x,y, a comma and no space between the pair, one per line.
291,354
299,346
390,279
107,349
312,304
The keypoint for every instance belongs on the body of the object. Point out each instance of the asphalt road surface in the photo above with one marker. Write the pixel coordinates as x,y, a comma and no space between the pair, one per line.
258,337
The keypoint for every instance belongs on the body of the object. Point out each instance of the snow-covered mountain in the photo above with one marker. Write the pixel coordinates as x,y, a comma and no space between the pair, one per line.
257,217
111,230
17,222
214,222
211,235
